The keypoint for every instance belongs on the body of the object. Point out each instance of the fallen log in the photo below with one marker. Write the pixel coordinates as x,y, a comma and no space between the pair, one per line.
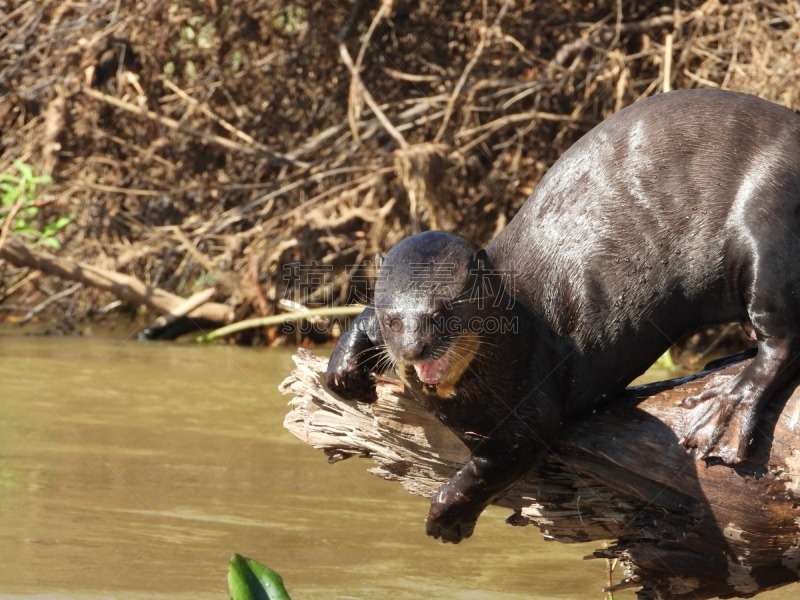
123,286
682,528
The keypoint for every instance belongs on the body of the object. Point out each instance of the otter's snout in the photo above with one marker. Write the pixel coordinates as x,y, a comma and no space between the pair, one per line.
409,339
412,350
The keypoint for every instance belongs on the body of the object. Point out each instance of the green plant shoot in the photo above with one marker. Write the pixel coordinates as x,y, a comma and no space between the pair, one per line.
18,195
250,580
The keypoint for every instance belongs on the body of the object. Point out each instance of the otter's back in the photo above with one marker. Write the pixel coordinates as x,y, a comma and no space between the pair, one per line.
635,218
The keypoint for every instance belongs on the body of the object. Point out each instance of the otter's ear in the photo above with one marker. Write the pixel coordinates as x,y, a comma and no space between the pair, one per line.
481,260
378,260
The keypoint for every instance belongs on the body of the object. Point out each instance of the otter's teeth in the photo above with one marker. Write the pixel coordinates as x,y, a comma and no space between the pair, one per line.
432,372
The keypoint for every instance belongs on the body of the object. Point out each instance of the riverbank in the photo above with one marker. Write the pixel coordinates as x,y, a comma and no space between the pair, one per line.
265,151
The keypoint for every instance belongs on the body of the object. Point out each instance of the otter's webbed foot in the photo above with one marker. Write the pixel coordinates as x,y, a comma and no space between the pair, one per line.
452,516
455,508
722,419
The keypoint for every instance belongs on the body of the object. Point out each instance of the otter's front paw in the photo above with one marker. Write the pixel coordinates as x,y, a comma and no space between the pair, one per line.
349,379
722,419
452,517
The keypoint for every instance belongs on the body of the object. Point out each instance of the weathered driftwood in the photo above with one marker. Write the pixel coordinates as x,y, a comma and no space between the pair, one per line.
682,529
123,286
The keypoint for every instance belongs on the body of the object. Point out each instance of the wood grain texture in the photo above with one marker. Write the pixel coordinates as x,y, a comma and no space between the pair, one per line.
682,528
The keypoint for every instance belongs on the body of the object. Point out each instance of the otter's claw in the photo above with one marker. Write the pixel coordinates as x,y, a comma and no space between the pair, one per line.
721,420
452,534
452,517
352,382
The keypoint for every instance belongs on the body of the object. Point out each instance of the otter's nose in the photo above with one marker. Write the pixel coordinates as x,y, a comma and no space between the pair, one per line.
412,350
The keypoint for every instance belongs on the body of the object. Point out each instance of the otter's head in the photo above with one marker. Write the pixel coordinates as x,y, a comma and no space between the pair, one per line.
430,296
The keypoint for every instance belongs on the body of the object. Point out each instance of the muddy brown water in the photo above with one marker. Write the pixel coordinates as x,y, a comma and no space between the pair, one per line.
133,470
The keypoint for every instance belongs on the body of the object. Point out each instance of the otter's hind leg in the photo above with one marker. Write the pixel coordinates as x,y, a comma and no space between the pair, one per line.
724,415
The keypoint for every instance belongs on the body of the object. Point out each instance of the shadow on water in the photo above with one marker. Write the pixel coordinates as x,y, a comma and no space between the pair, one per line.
134,470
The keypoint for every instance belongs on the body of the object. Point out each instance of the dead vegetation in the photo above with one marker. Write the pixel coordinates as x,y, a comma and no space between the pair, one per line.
222,143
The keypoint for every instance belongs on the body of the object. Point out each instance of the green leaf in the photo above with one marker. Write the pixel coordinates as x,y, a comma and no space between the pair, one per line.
250,580
27,212
53,228
25,171
58,224
23,228
50,242
41,180
30,193
10,197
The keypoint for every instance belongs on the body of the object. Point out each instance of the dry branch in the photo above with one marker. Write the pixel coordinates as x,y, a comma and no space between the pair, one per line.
682,529
257,149
123,286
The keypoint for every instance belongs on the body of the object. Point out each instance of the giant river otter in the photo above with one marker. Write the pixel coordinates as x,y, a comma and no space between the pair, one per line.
679,211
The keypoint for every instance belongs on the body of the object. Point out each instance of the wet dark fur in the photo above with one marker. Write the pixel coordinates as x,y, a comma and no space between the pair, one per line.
680,211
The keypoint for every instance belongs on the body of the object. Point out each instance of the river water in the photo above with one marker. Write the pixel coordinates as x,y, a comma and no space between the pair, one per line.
132,470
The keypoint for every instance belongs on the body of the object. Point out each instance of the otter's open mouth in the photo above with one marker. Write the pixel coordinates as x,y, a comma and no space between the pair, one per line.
433,372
